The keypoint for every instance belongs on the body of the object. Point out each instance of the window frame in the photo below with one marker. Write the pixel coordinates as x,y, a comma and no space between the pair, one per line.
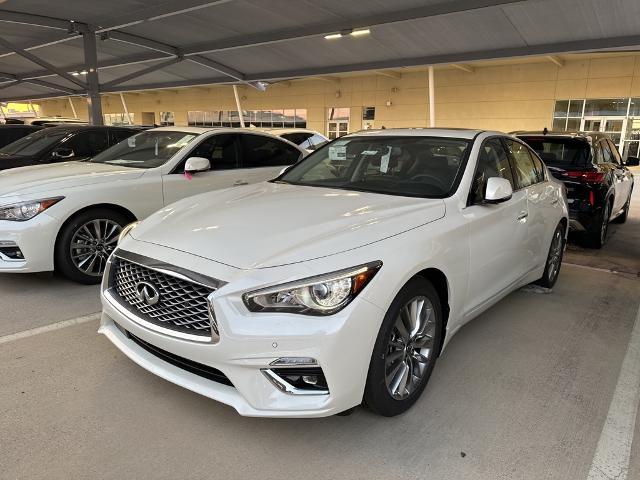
500,138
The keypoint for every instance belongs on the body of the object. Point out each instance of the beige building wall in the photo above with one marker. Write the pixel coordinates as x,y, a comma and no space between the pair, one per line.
501,95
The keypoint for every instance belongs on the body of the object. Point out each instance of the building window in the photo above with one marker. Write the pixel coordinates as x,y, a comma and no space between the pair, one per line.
567,115
279,118
167,119
117,119
337,122
606,107
369,113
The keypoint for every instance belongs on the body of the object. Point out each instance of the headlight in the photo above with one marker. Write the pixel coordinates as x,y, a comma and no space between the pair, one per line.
20,212
125,231
321,295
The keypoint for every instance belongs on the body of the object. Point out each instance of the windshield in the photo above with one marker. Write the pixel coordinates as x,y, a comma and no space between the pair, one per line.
148,149
410,166
34,143
560,152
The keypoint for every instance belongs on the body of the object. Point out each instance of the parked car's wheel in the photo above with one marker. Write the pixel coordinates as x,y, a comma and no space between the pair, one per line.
597,237
406,349
554,259
625,211
85,243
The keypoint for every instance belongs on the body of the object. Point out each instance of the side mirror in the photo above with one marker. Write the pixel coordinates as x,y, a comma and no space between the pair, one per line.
498,190
632,162
197,164
63,153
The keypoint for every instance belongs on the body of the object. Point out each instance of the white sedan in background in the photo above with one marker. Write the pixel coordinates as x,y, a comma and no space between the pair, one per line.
339,281
68,216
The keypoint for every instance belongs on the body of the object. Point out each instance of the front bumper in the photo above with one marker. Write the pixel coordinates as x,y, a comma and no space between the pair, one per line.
248,343
35,238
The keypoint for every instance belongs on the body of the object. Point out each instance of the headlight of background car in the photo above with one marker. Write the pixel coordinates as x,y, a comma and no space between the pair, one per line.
20,212
125,231
321,295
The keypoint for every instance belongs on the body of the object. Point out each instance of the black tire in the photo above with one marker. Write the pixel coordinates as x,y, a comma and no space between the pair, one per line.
377,394
63,251
625,211
553,262
597,237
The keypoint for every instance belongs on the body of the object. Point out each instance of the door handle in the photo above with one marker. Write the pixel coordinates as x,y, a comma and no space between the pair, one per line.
238,183
522,216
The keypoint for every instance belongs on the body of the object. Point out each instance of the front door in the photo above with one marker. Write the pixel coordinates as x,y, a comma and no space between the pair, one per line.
614,127
498,234
337,129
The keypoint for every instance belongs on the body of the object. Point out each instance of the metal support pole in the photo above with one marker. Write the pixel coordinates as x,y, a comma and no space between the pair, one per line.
432,100
126,110
33,108
238,106
93,86
73,108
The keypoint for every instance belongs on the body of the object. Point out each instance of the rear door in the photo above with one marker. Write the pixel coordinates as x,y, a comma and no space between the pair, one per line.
263,157
498,233
222,152
622,177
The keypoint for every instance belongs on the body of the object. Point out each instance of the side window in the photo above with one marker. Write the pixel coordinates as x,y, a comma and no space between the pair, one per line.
88,144
299,138
537,163
260,151
525,170
607,156
220,150
492,162
598,156
615,153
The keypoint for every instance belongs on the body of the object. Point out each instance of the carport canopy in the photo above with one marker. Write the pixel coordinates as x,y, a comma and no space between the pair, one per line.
79,47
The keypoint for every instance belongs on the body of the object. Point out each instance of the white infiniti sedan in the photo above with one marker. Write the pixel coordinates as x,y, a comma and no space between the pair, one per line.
68,216
341,281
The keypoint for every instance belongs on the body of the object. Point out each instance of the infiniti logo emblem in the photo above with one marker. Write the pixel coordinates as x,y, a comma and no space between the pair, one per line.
147,293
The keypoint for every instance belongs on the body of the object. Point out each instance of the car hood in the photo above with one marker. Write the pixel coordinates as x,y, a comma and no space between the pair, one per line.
58,176
269,224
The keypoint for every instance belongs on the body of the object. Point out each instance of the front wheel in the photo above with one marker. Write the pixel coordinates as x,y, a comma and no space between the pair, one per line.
554,259
406,349
85,243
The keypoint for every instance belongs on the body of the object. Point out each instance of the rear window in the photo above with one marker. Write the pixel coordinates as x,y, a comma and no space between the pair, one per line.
560,152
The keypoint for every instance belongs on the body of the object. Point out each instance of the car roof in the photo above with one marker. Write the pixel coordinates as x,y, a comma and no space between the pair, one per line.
588,136
465,133
74,128
284,131
21,125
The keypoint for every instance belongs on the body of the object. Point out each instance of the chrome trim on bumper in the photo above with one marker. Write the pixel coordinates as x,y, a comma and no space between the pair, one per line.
286,387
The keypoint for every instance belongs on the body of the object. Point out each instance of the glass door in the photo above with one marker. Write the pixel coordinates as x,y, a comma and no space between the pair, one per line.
614,127
337,122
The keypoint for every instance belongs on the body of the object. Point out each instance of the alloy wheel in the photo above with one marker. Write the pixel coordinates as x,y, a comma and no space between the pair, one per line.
410,348
555,256
92,243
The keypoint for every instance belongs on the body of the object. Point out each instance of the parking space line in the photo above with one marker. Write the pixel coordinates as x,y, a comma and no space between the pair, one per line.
49,328
613,453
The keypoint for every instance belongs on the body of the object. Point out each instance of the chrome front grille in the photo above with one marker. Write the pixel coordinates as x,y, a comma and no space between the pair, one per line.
181,305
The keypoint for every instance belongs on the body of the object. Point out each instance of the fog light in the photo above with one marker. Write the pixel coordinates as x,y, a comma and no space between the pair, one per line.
11,251
298,381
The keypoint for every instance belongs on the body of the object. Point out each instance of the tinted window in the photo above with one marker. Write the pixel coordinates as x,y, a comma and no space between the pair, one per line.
87,144
259,151
410,166
539,167
614,152
8,135
493,161
563,152
220,150
35,144
525,171
314,142
298,138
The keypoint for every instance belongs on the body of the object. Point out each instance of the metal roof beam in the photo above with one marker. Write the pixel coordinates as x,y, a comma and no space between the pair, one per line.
37,60
50,85
432,10
140,73
521,51
36,20
390,74
556,60
463,67
157,12
54,41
